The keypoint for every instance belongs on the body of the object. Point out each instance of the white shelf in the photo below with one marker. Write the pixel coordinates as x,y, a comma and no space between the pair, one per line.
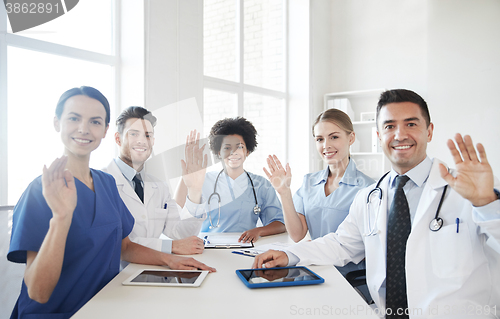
373,164
363,122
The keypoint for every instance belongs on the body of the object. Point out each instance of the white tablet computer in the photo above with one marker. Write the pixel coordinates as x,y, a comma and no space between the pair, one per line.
167,278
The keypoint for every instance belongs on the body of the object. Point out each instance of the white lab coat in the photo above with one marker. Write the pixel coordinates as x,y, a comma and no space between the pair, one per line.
448,274
151,219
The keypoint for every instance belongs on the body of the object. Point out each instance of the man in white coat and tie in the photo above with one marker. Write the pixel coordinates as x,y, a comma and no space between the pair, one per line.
148,198
430,235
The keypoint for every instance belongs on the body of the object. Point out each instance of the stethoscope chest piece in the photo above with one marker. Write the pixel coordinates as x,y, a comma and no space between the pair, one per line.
256,210
436,224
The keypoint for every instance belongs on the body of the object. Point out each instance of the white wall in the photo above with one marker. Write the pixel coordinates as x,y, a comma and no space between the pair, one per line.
448,51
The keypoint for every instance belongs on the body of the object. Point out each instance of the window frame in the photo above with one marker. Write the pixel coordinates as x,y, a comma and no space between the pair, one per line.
239,87
19,41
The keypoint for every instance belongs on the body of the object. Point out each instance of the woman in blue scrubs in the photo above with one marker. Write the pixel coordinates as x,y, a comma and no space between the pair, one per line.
323,201
70,226
244,197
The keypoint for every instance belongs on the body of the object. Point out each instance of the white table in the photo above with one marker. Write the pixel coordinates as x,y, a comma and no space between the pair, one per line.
223,295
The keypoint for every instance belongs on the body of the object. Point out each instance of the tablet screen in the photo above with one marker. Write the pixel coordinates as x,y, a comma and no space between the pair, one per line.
167,276
278,275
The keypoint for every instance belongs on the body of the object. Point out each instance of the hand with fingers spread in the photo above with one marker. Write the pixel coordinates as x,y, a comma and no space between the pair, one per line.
194,166
59,189
474,180
279,177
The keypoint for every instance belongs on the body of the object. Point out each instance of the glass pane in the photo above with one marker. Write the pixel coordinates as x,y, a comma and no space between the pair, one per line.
35,86
263,45
217,105
88,26
219,39
267,115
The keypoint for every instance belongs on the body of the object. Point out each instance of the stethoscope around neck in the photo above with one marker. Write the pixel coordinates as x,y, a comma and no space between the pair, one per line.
435,224
256,209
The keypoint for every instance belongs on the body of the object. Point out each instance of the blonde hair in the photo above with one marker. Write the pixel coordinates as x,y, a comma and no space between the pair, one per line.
336,117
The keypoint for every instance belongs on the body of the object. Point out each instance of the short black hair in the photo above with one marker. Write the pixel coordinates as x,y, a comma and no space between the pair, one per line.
133,112
231,126
87,91
402,95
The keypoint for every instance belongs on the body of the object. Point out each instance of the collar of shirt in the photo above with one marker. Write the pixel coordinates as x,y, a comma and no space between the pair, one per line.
236,186
127,171
349,178
414,187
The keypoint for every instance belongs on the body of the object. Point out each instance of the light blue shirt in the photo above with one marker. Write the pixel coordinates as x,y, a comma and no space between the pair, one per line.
323,213
238,201
128,172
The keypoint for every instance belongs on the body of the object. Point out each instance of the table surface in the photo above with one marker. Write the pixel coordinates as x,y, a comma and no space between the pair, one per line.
223,295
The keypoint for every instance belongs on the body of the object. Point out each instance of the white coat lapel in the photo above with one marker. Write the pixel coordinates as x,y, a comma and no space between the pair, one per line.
380,260
122,183
431,195
150,187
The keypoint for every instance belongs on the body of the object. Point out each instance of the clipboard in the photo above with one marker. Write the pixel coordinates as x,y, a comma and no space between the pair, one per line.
224,242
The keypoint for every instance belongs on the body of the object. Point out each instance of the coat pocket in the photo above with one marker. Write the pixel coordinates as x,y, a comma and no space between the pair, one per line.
451,251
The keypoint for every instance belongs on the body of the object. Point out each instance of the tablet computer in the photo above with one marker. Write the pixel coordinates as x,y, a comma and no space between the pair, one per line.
167,277
278,277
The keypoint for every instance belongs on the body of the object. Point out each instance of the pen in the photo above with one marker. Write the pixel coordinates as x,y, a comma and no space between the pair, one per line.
165,207
206,240
458,223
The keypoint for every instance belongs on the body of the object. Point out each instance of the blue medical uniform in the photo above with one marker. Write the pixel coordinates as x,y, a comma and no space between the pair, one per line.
323,213
238,202
93,246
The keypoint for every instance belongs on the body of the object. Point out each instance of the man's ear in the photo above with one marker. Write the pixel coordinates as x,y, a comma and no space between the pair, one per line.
118,139
57,124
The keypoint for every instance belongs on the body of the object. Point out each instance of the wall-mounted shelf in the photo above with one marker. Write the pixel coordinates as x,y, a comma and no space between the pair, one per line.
365,151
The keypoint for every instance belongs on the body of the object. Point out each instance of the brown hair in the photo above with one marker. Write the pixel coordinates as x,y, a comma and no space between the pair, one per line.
336,117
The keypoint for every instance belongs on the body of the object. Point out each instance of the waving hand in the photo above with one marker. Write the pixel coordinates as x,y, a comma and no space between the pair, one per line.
474,180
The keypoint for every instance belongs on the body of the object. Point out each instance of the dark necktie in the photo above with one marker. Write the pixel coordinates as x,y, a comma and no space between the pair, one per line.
139,190
398,229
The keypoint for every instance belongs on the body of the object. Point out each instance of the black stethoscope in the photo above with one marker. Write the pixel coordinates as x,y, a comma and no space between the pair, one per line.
256,209
435,224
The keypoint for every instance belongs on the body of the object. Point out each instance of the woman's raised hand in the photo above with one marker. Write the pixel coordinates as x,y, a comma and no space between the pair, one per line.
59,189
279,177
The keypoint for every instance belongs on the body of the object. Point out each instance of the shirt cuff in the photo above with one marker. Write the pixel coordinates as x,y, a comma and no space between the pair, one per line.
292,258
196,210
488,212
166,246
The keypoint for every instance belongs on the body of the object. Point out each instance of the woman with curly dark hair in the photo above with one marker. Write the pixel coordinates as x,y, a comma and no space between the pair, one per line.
235,198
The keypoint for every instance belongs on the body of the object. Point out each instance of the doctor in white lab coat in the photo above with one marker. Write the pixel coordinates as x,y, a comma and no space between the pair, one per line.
156,213
452,272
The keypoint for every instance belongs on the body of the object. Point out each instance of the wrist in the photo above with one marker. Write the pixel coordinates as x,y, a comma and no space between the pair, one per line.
285,193
486,200
194,195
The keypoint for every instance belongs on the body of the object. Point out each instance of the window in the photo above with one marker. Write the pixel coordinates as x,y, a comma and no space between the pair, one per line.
40,64
245,70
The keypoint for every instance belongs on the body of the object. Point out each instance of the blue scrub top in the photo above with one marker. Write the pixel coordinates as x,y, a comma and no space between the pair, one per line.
93,246
238,202
323,213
